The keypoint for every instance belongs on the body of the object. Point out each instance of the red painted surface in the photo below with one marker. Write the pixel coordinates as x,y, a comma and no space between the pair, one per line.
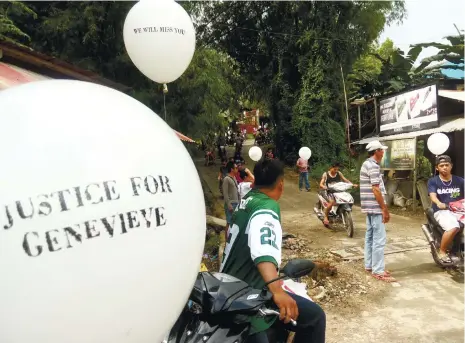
248,127
183,137
10,76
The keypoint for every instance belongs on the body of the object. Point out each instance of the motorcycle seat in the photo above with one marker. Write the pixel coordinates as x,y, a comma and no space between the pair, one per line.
215,295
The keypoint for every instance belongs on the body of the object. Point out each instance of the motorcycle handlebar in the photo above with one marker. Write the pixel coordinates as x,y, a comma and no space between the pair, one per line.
268,312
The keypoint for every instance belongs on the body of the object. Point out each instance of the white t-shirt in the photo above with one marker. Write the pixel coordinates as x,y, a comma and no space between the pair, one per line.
244,188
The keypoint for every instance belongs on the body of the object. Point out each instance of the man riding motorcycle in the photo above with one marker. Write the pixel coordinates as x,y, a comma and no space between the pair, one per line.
333,175
444,189
253,254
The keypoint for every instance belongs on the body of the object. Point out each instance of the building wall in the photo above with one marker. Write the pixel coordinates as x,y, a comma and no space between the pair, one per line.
458,152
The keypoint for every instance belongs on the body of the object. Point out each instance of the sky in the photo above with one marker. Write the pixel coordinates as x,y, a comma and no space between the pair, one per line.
427,21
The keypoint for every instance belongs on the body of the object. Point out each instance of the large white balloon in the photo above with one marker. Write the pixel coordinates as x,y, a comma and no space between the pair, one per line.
305,153
438,143
160,39
255,153
99,239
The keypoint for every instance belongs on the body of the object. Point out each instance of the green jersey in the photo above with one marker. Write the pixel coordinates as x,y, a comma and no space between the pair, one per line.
255,236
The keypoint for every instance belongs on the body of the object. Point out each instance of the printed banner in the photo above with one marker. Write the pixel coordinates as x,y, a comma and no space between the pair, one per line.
400,155
410,111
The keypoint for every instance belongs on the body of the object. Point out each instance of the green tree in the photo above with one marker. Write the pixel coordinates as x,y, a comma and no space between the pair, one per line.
9,12
89,35
364,77
205,92
452,53
398,70
292,53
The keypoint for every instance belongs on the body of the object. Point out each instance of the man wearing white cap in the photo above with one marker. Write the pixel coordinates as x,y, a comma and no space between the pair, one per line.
372,193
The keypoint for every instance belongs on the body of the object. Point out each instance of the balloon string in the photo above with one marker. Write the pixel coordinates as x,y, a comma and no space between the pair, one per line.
164,104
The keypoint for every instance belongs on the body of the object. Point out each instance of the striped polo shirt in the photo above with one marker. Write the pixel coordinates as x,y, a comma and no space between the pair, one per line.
370,174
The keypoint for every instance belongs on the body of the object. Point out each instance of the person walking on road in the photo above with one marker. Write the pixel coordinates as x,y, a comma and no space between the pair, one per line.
230,192
372,193
303,173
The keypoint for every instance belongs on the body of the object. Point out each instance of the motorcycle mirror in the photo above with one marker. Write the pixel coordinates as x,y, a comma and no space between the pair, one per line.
294,269
298,268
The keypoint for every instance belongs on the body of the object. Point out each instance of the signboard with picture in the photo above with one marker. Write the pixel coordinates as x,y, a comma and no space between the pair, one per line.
400,155
409,111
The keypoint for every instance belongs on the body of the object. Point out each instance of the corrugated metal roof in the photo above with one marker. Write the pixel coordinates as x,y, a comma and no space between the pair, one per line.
183,137
450,125
11,75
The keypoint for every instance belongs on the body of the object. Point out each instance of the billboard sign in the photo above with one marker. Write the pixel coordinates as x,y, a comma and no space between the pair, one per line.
400,155
409,111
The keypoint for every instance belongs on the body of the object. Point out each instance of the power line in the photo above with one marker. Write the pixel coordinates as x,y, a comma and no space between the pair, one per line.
293,34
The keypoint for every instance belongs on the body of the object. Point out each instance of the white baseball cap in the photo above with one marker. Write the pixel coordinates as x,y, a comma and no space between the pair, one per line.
375,145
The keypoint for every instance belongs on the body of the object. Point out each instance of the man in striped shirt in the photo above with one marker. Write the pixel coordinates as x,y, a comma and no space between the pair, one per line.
372,193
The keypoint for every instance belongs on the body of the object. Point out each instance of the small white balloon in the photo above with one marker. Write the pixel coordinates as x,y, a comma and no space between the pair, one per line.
160,39
438,143
92,206
255,153
305,153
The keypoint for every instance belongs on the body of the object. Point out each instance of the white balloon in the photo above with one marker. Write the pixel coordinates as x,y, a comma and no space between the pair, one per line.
438,143
305,153
99,240
160,39
255,153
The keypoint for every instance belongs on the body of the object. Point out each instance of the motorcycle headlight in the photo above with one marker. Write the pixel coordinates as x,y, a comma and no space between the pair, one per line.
225,277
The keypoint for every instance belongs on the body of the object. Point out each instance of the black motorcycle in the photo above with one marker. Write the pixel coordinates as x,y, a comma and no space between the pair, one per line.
221,307
433,232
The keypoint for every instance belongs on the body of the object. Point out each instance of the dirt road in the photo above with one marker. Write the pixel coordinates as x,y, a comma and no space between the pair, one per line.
425,306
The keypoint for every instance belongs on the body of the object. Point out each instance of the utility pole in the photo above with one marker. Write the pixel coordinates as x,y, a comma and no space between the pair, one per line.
347,107
347,115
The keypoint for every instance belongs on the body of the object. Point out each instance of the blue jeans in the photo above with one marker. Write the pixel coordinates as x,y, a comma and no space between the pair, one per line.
311,324
375,240
303,176
228,213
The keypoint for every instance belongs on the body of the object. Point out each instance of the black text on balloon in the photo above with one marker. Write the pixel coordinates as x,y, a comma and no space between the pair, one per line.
36,243
162,29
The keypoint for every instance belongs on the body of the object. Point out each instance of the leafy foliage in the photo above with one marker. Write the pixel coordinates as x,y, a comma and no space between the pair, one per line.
388,69
364,79
452,53
282,57
292,53
89,35
9,12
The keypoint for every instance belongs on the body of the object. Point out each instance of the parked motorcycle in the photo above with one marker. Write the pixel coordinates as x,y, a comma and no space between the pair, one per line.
222,307
433,233
342,210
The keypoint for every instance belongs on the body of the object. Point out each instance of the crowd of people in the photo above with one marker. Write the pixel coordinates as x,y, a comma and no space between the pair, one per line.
254,234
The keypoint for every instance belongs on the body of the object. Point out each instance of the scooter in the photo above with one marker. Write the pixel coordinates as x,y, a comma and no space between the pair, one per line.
433,233
220,308
342,210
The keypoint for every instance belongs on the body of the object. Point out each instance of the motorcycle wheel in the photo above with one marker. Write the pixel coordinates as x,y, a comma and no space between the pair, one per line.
349,223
